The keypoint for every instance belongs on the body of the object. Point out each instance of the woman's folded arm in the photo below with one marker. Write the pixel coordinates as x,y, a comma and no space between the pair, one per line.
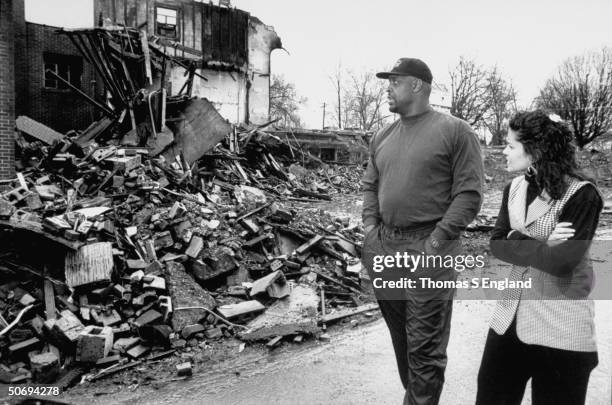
558,257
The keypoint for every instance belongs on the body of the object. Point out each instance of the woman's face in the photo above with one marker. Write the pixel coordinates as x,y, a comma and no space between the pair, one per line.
516,157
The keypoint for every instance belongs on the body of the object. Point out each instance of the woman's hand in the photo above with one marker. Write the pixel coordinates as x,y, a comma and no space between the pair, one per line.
563,231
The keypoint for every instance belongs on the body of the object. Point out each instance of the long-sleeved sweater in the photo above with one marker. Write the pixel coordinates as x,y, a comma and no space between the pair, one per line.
424,169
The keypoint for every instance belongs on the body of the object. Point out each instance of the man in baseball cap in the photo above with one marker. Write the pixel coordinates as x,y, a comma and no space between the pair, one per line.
422,187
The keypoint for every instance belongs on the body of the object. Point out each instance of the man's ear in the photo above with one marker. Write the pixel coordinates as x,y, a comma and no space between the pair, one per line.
417,85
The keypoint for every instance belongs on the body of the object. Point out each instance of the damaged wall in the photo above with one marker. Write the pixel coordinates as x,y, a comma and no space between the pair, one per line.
26,49
231,48
219,33
226,90
45,100
262,41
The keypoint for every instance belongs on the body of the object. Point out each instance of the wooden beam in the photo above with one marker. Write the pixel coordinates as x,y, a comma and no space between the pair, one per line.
50,310
348,312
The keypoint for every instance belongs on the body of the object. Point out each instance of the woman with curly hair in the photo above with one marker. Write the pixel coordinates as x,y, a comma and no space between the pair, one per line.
544,229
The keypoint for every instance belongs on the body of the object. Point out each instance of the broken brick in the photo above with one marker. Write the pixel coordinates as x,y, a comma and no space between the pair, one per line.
184,369
94,343
195,247
138,351
124,344
148,317
45,367
191,330
274,284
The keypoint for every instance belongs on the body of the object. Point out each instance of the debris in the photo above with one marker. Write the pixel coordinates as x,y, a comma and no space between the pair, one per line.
37,130
213,333
202,128
23,347
124,344
233,311
272,343
115,370
155,335
89,264
184,369
138,351
190,330
151,224
45,367
94,343
274,285
186,292
308,245
288,316
348,312
109,360
195,247
148,317
64,331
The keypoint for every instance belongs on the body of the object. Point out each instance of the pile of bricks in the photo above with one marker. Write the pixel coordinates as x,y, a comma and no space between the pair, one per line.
136,258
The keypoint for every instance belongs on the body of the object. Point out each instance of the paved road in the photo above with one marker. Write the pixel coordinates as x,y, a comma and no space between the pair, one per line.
354,367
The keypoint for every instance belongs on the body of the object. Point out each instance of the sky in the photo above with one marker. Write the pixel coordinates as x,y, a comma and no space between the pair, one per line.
526,39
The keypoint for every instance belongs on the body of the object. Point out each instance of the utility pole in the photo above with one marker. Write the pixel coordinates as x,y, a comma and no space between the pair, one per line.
323,124
339,106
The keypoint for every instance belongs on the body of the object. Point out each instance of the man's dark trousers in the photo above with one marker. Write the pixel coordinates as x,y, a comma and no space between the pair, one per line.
418,318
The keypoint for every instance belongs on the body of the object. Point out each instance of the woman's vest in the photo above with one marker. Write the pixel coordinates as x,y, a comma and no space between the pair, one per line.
555,311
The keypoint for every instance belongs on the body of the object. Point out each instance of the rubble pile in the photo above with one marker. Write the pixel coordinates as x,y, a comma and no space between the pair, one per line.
303,170
134,261
330,178
297,175
133,239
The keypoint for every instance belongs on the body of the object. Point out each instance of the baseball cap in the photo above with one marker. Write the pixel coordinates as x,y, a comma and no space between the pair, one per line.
409,67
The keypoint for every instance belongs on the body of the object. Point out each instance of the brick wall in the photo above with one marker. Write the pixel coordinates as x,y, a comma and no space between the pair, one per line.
7,91
59,109
21,64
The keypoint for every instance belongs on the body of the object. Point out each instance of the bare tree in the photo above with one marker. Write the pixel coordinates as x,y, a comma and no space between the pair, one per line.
336,79
366,97
581,93
501,104
285,102
469,91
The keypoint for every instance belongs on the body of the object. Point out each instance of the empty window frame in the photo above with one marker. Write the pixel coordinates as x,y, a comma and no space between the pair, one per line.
67,67
328,154
166,22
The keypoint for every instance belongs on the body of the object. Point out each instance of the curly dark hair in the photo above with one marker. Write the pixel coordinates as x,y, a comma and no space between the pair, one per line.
551,146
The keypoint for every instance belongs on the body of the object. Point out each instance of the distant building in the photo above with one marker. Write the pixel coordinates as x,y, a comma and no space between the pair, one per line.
331,146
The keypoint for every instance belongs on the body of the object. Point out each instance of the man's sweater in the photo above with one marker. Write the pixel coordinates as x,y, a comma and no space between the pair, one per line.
424,169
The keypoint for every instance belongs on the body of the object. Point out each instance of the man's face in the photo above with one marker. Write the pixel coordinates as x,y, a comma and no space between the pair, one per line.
400,93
